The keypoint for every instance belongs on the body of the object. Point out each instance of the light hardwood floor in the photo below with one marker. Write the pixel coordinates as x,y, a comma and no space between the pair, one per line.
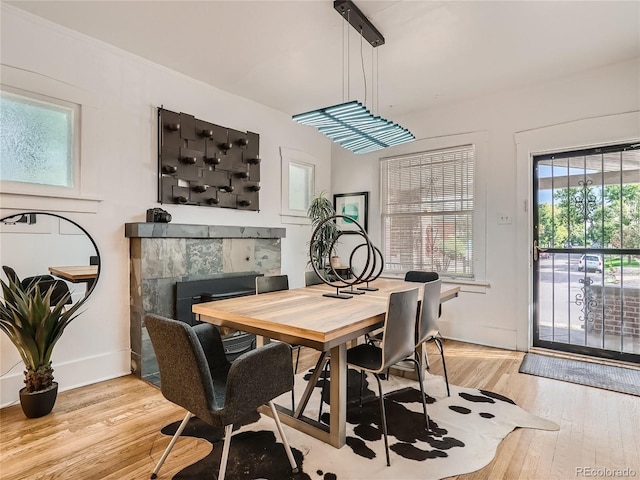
111,430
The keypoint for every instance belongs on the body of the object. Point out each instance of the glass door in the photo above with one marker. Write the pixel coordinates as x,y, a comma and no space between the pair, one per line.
586,237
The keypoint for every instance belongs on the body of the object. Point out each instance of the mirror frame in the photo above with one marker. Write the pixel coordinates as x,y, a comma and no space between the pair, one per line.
93,242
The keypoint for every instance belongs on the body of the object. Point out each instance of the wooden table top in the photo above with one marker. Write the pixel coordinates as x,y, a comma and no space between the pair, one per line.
77,273
304,316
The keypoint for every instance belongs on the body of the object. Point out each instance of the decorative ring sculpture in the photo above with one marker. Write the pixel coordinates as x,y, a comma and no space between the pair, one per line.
372,269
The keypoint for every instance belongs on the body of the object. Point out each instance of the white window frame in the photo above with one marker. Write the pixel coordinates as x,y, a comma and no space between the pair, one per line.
83,196
75,143
296,157
480,141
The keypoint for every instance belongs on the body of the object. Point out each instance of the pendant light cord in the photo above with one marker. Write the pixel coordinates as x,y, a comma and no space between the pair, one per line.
377,83
364,75
348,59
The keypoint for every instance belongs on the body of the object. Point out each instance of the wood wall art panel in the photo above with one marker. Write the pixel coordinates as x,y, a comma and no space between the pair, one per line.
203,164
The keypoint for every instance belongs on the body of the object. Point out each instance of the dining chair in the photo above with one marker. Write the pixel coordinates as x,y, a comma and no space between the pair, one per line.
196,375
276,283
26,283
312,278
44,282
427,329
421,276
397,344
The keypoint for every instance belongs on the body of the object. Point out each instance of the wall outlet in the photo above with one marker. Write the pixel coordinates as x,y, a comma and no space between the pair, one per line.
504,219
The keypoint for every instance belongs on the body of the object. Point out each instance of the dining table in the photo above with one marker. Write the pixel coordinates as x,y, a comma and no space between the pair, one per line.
305,316
76,274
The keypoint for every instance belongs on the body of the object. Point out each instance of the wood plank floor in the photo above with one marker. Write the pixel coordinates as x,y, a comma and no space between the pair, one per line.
110,430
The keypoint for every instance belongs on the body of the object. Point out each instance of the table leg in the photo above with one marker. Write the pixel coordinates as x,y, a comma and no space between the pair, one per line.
338,407
311,384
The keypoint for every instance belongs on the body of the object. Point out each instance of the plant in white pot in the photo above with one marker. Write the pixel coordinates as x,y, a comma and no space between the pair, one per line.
34,325
319,210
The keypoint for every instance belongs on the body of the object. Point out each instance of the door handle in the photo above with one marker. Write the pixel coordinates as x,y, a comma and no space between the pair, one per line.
537,249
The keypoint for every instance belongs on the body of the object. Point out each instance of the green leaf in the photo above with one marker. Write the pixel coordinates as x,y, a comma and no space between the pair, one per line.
34,325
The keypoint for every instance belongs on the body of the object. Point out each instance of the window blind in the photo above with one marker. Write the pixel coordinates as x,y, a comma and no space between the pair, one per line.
427,211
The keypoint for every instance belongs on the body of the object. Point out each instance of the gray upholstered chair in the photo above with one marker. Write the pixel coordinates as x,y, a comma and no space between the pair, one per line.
397,344
196,375
427,324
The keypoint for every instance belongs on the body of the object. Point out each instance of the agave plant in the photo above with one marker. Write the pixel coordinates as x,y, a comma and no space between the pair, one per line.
319,210
34,325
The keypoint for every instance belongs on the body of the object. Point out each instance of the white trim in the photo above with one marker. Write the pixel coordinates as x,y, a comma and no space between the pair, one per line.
86,191
579,134
289,156
83,371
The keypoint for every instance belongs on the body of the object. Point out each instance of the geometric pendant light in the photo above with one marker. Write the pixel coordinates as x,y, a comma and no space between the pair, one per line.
351,124
354,127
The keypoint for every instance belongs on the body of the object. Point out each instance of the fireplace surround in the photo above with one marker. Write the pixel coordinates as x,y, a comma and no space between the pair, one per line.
163,254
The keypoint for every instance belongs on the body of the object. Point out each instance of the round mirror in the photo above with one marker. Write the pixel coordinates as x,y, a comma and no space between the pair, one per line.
37,245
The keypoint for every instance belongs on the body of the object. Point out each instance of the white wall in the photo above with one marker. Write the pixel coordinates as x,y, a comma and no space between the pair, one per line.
122,149
499,314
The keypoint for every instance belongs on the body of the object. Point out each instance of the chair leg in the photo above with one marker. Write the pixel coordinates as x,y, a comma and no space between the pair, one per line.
292,460
438,343
298,348
424,401
186,419
361,383
384,420
228,431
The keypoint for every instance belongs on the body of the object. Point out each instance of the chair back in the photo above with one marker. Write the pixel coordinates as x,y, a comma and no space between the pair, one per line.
421,277
60,289
312,278
272,283
185,377
398,333
427,323
11,274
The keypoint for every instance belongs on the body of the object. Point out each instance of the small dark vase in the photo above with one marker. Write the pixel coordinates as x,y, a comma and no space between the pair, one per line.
38,404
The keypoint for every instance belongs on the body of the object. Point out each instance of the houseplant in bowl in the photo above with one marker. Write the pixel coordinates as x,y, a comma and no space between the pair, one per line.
34,325
321,208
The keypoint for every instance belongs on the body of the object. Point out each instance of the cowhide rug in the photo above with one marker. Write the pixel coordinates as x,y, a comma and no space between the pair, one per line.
466,429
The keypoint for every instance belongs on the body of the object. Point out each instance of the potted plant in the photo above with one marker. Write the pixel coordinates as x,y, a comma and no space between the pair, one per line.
321,208
34,325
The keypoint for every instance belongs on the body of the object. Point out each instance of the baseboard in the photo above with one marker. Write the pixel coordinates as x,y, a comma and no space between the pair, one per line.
487,336
72,374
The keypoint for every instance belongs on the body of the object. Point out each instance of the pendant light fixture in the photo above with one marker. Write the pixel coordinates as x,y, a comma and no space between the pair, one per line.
351,124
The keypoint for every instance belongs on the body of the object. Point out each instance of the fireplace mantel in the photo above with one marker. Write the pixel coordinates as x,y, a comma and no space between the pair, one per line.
184,230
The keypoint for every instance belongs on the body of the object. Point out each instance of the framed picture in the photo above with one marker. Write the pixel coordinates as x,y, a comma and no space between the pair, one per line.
354,205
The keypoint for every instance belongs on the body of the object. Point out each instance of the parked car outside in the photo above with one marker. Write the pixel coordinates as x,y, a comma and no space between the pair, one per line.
590,263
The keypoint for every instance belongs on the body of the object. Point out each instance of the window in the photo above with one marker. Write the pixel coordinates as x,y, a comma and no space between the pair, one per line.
50,143
37,143
427,211
298,184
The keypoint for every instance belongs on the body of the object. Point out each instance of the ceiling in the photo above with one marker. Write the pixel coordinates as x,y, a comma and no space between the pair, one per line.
289,54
